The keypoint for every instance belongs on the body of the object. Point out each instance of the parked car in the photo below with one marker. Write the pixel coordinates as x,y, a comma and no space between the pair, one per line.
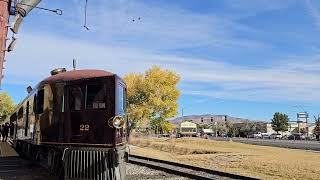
163,135
257,135
297,137
276,136
312,137
266,136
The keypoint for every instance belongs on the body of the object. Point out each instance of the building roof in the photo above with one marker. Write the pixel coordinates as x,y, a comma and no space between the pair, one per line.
76,75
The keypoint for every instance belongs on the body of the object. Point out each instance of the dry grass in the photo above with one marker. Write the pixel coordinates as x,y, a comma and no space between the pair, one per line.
250,160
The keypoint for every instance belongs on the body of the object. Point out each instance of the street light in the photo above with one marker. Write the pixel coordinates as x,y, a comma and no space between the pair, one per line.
22,10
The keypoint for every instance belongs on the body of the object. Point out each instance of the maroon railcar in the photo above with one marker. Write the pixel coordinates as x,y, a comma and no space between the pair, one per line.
77,116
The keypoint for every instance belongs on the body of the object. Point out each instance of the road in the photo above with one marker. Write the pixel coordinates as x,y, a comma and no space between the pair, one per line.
298,144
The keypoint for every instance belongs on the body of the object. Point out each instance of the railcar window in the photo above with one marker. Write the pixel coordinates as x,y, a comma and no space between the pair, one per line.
35,103
20,113
27,120
188,130
96,97
75,98
121,99
13,117
40,101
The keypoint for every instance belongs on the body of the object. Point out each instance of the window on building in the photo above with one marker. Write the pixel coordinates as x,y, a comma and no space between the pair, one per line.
96,97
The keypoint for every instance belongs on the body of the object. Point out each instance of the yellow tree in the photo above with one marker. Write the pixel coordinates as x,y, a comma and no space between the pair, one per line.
168,127
6,106
152,96
163,95
137,109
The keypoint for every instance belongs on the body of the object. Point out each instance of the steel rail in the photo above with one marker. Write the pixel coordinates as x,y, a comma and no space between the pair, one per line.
184,170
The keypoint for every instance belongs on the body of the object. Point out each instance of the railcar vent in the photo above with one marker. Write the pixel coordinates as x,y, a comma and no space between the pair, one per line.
91,164
57,71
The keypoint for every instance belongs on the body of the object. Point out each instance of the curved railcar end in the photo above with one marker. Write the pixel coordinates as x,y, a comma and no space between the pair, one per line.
74,123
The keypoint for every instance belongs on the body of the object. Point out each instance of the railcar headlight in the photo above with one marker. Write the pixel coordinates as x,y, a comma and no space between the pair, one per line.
118,122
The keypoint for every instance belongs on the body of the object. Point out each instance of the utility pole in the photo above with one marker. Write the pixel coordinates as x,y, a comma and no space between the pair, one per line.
74,64
215,125
182,114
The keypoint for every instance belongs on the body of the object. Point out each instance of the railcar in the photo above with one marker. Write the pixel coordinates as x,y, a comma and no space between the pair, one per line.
187,128
73,122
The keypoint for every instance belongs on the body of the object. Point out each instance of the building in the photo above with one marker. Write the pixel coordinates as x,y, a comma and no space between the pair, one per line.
293,128
4,21
19,10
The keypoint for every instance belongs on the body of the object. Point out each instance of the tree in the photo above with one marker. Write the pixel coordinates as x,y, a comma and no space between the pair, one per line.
6,106
221,129
304,130
316,130
280,122
137,109
152,97
245,130
168,127
231,131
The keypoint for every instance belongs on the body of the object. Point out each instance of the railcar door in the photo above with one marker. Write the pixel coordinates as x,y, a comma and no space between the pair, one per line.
74,113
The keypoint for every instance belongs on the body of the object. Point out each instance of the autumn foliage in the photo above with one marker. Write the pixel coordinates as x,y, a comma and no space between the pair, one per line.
6,106
152,98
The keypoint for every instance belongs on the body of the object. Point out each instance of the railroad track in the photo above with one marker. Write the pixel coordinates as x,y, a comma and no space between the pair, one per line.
183,170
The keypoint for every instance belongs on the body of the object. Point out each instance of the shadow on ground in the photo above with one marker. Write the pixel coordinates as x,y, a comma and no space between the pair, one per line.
14,167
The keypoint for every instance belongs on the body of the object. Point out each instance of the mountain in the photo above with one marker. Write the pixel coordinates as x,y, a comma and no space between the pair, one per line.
207,119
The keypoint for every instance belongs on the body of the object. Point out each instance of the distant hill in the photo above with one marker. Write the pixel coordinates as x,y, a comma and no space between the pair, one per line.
207,119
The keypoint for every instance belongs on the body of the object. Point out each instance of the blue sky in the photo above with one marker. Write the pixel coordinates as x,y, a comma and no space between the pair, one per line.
244,58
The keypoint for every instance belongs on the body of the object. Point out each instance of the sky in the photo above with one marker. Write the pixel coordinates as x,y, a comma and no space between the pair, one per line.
243,58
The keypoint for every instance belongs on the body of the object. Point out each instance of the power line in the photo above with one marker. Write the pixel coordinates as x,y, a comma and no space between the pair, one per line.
85,16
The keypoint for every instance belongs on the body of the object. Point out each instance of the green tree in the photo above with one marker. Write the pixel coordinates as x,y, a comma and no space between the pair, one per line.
231,131
316,130
221,129
6,106
245,130
280,122
152,97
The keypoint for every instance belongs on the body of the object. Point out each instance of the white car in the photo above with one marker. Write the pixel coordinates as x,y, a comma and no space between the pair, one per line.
258,135
276,136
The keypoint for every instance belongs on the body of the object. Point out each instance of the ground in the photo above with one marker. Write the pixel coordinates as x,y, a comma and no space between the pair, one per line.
249,160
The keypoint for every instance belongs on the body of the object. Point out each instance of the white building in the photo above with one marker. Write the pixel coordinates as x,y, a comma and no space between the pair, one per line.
301,127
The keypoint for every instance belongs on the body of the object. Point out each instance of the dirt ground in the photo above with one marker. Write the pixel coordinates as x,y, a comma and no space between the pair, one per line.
249,160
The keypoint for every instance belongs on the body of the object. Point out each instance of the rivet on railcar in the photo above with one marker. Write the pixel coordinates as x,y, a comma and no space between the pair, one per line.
74,123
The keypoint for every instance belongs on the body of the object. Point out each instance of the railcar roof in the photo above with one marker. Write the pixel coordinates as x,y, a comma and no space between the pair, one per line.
76,75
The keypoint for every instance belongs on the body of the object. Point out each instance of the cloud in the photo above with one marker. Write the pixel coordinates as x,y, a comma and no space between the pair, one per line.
314,12
246,8
160,27
118,44
38,55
